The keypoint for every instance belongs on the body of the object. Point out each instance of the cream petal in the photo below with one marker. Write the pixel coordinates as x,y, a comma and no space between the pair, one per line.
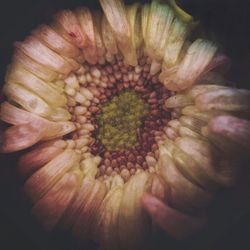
134,16
187,132
116,15
199,160
194,64
83,228
85,19
33,48
234,129
183,195
108,37
226,99
34,160
16,116
46,177
73,212
97,19
41,71
196,113
178,101
159,22
106,230
175,223
27,99
56,42
60,114
192,123
19,137
31,82
68,26
49,209
64,129
202,88
175,43
133,224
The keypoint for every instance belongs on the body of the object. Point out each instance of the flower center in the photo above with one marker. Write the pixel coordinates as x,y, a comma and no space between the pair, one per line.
119,110
120,120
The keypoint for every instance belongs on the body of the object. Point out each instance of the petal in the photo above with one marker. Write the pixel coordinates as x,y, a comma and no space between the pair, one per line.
27,99
73,212
133,225
97,19
184,195
46,177
116,15
41,71
178,101
159,22
176,224
49,209
108,37
108,219
85,19
31,82
235,129
32,161
68,26
226,99
83,228
20,137
33,48
56,42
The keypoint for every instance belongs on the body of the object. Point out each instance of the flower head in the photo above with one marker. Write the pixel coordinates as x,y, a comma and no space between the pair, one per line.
116,104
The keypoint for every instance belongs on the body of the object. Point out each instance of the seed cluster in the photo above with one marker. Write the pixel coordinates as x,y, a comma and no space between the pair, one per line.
119,121
119,113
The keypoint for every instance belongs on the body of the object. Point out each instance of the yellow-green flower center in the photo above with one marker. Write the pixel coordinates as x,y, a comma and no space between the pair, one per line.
119,120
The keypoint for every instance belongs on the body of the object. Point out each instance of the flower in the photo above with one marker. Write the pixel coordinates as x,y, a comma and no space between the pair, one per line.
124,117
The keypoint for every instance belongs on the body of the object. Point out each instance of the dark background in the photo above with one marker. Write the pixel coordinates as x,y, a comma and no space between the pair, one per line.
227,22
